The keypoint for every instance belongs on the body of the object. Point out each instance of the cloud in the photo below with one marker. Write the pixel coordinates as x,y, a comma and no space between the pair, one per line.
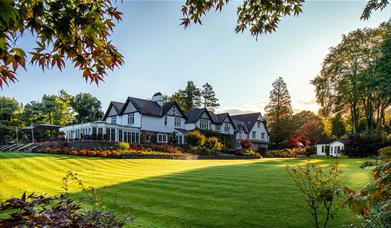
259,106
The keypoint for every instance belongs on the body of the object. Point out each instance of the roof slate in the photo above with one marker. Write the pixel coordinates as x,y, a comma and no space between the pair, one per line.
247,120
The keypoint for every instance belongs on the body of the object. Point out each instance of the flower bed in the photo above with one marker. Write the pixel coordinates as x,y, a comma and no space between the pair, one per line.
291,153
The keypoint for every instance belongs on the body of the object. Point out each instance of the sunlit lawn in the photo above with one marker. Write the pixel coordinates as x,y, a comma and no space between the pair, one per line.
177,193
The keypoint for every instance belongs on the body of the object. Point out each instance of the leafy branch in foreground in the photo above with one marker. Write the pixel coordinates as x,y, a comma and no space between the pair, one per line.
320,188
372,203
259,16
76,30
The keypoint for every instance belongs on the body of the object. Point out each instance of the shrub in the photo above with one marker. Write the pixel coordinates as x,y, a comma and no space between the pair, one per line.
246,143
319,187
73,152
123,145
372,202
195,138
116,154
252,153
91,153
83,152
62,211
385,152
214,144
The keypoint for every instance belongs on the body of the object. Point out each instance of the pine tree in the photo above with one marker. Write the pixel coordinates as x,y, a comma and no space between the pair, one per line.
209,97
279,113
188,98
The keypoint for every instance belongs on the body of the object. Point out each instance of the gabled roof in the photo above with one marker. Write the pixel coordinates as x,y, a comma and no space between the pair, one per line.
118,106
247,119
324,140
194,114
149,107
345,140
240,125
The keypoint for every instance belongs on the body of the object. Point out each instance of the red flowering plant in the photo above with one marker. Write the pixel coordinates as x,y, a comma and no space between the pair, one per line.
246,143
295,142
372,203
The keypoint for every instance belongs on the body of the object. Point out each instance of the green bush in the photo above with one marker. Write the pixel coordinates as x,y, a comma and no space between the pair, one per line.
195,138
123,145
385,152
214,144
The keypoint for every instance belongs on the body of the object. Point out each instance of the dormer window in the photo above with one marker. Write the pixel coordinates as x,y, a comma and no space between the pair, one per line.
227,128
204,124
258,124
177,121
113,120
131,119
165,120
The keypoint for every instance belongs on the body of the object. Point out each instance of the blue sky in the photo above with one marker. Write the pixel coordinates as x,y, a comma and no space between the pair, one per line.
161,56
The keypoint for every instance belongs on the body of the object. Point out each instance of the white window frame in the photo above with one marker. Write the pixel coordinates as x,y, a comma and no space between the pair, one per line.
227,128
131,119
258,124
113,120
204,124
161,138
217,127
254,134
263,135
177,121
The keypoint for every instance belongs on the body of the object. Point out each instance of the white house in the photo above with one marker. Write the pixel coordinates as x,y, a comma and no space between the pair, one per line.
332,147
204,119
137,121
251,126
154,121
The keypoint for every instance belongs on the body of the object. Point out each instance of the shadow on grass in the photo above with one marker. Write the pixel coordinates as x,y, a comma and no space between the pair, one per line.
258,194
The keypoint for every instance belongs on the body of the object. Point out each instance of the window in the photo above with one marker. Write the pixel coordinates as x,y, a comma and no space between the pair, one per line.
94,130
131,118
323,149
113,120
217,127
112,134
227,128
161,138
165,120
120,135
254,134
126,136
148,138
258,124
179,139
204,123
100,131
177,121
263,135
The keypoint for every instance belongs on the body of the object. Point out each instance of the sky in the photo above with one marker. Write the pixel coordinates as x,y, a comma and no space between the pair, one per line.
160,55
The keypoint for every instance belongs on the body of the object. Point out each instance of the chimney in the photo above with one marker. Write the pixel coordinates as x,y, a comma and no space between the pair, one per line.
158,98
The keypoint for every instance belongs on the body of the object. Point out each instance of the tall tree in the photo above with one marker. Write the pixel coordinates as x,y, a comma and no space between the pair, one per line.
209,99
343,81
33,113
337,126
298,119
87,107
9,117
279,113
311,130
188,98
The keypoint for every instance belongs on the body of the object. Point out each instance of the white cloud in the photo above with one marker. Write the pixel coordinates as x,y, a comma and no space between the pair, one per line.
259,106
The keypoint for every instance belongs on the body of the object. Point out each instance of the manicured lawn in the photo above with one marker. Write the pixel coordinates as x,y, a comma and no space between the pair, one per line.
176,193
